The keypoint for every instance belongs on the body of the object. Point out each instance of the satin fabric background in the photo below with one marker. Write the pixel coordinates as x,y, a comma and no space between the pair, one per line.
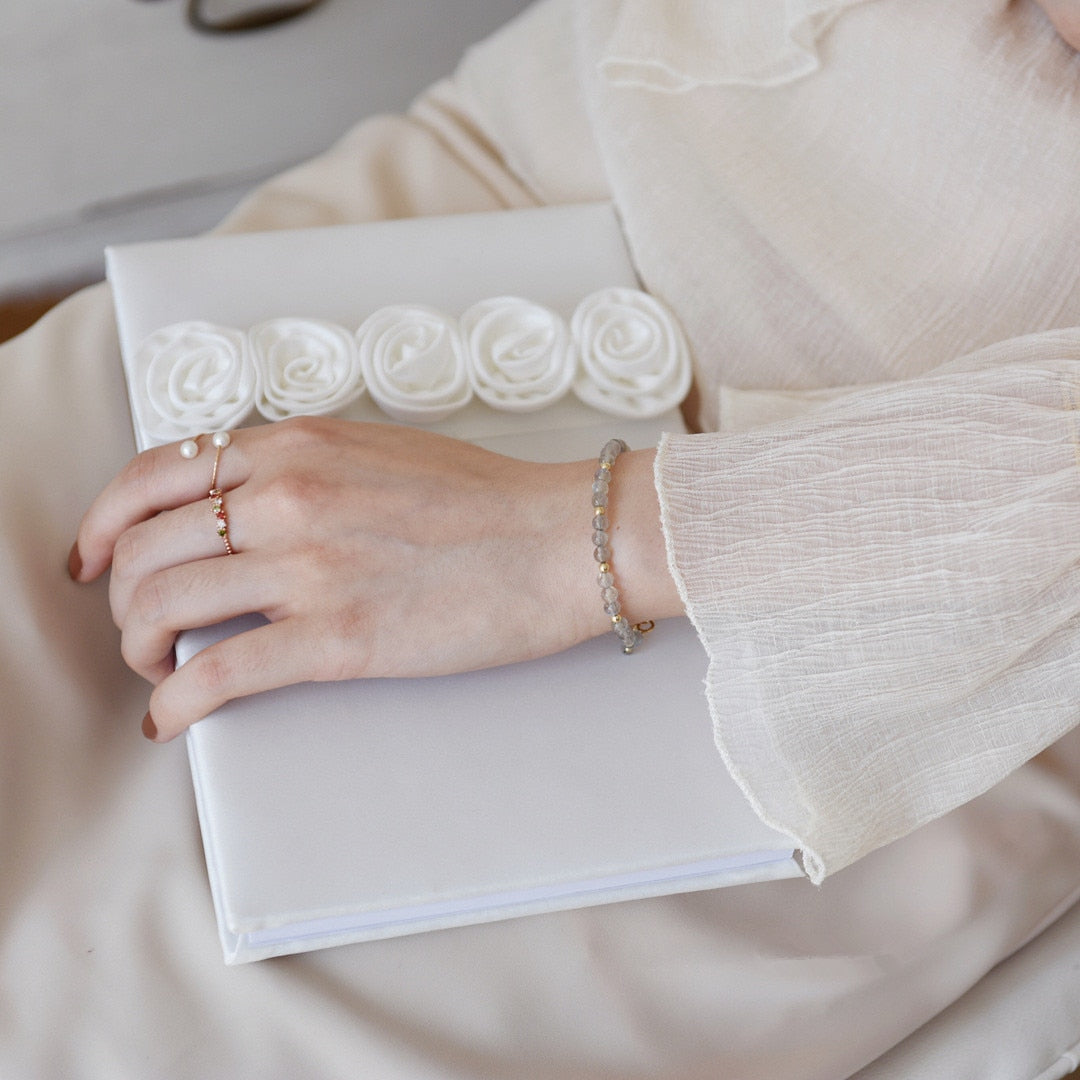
109,961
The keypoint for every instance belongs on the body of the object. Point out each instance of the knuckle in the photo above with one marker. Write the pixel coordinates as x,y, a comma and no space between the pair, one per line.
213,674
142,473
129,651
296,483
125,554
147,612
296,496
289,495
152,601
299,433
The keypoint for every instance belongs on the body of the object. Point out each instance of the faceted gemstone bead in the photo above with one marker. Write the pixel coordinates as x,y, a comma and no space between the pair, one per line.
611,451
628,634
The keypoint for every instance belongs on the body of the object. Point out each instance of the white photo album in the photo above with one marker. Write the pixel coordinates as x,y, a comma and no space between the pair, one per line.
336,813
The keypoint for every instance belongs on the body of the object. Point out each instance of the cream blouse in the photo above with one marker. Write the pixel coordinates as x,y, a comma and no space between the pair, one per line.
865,214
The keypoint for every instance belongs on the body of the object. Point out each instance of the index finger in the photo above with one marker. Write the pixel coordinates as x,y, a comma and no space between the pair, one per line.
161,478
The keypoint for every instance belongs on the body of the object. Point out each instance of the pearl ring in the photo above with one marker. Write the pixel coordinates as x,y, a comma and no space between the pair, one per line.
220,440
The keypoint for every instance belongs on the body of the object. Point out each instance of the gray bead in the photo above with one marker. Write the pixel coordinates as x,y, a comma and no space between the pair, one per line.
627,634
611,451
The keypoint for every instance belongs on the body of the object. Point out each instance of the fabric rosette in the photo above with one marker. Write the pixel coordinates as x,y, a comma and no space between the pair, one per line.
197,377
413,361
632,356
306,367
518,352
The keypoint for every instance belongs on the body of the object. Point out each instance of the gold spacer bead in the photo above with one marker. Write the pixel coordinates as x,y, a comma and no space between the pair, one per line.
604,568
606,465
615,619
598,510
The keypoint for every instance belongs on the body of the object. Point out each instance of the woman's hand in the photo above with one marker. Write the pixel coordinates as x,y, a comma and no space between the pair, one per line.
373,550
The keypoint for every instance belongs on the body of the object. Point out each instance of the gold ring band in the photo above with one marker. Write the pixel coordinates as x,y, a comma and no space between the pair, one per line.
220,439
217,505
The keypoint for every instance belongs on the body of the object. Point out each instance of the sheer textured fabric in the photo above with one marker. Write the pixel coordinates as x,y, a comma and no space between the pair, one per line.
885,586
889,588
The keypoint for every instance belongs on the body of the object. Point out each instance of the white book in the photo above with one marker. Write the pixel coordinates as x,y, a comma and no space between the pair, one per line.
342,812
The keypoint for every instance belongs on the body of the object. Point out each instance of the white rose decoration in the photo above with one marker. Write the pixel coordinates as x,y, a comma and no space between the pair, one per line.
518,353
633,359
197,377
305,367
413,362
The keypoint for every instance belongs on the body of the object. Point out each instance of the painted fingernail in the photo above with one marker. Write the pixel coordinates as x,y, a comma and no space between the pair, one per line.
149,728
74,562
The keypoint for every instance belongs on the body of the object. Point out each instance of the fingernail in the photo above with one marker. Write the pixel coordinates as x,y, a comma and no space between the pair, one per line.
74,562
149,728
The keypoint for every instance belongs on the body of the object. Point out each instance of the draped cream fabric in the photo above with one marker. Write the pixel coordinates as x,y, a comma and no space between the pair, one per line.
690,43
110,967
836,195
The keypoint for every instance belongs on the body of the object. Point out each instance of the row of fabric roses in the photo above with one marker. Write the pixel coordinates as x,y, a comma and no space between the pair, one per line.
622,352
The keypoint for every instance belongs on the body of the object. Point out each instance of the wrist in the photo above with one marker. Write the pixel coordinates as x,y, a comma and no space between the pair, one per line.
638,561
567,565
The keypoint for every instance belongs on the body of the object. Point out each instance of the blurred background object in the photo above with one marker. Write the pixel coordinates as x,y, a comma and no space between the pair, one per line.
120,122
240,16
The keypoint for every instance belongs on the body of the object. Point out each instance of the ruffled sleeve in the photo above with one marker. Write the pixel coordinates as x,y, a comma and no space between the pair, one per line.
888,590
679,46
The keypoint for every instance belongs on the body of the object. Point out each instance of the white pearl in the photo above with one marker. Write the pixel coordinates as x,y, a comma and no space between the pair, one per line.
189,448
221,439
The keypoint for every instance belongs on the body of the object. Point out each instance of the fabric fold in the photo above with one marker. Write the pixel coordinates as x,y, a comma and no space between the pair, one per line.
889,592
677,47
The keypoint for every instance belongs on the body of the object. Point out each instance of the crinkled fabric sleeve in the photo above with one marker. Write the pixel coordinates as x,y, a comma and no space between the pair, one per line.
888,592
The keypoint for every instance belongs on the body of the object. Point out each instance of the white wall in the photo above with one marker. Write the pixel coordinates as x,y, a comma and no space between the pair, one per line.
118,122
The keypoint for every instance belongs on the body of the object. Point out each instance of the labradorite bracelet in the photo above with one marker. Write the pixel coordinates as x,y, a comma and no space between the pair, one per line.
629,634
